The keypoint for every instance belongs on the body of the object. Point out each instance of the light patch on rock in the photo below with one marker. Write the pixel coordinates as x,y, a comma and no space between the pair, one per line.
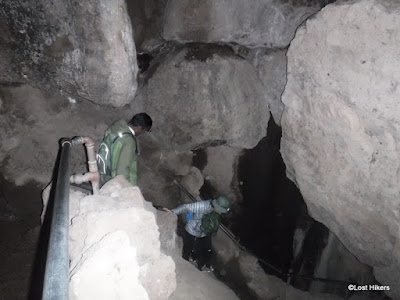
192,182
108,270
222,162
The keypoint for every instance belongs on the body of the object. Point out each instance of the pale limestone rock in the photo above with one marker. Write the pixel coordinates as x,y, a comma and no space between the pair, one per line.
108,270
341,130
208,97
121,207
257,23
171,243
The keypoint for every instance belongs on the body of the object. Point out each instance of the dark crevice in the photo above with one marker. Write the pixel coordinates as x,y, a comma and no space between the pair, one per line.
271,202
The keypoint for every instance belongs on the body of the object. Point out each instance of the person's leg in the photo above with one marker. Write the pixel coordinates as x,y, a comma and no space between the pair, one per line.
197,249
205,253
207,250
188,245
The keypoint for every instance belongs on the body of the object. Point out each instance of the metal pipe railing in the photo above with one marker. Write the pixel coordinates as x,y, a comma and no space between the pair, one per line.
57,263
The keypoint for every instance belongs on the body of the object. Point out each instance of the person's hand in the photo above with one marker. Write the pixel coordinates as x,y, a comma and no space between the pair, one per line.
166,209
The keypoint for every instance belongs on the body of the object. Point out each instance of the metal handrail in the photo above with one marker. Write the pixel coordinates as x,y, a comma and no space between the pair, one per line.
57,263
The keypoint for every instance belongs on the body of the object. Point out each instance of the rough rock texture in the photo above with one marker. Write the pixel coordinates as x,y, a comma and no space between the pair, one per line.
206,96
114,239
111,260
147,20
268,23
272,71
341,129
32,122
221,168
192,182
338,263
84,49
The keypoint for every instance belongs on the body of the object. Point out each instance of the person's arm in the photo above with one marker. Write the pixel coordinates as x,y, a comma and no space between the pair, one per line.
195,207
126,158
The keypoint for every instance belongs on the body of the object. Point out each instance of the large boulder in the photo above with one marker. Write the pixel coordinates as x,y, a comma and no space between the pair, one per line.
115,247
260,23
341,130
207,96
84,49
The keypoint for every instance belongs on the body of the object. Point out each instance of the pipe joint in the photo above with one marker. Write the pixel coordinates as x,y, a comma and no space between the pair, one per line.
77,140
88,141
93,176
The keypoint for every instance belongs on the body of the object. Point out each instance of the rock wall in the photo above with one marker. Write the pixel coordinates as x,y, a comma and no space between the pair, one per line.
83,49
341,129
261,23
33,121
147,20
272,71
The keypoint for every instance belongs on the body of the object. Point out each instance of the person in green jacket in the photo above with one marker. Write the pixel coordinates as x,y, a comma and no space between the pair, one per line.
119,148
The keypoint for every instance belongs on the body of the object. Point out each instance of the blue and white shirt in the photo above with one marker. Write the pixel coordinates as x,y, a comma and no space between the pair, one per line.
199,209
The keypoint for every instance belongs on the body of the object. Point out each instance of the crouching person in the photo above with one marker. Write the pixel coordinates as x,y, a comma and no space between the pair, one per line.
203,219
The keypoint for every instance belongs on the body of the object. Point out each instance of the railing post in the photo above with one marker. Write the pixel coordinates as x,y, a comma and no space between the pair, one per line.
57,263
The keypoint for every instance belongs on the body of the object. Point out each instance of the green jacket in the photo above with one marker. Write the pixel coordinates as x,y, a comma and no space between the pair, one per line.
124,152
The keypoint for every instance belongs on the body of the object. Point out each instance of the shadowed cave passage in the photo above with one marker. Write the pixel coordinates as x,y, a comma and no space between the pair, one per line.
20,208
271,202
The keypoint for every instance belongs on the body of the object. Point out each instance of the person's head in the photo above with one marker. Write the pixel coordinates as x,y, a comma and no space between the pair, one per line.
141,123
221,204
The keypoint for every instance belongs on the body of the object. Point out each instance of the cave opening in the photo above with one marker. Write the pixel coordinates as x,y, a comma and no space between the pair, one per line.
271,202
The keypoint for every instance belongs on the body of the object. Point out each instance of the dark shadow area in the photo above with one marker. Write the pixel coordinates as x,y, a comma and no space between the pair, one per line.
199,159
231,274
19,225
271,202
143,61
